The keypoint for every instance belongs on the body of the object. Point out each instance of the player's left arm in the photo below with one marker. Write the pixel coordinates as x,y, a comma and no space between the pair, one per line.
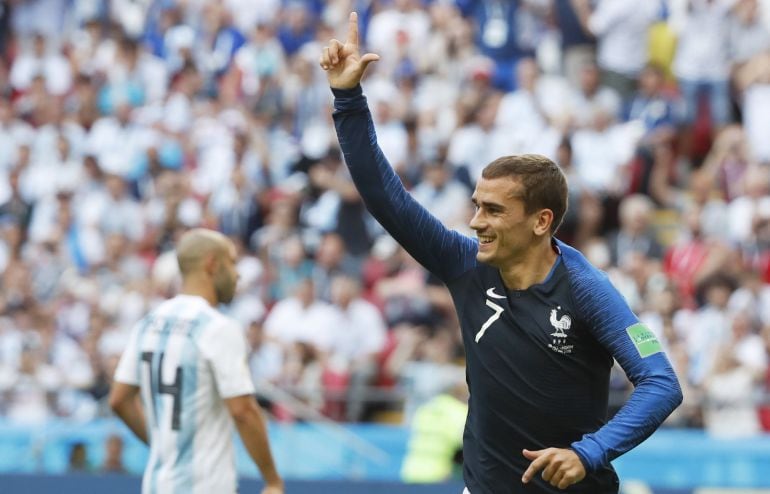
635,347
124,397
124,401
226,350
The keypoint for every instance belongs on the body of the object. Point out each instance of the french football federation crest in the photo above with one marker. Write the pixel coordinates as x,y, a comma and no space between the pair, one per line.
561,325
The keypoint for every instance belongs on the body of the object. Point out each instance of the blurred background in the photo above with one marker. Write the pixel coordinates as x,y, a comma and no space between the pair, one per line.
125,122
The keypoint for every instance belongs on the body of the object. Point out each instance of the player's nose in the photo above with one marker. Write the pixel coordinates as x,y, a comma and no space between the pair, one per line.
477,222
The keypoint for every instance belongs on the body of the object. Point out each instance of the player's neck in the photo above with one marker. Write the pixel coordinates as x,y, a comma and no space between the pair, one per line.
531,268
203,290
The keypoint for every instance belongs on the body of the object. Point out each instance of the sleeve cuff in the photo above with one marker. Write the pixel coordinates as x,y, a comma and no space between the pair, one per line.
583,459
347,93
349,99
592,460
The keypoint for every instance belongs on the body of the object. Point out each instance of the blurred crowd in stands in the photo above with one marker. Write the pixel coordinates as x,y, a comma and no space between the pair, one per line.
125,122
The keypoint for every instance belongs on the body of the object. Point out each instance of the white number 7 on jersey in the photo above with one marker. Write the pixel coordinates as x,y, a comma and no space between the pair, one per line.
494,317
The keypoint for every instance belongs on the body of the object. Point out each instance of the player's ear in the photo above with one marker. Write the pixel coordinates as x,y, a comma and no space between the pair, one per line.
543,221
210,263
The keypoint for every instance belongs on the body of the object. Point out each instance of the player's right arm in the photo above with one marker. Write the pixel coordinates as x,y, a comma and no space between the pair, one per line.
124,401
124,392
445,253
226,350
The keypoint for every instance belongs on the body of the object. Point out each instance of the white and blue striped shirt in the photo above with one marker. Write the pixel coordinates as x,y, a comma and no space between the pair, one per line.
186,357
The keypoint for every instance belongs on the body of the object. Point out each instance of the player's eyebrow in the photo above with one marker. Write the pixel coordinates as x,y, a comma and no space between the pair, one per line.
494,206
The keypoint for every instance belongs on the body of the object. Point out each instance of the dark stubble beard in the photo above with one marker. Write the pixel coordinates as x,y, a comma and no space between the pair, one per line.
224,288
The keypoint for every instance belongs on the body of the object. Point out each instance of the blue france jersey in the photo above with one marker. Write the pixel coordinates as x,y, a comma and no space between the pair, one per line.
186,358
538,360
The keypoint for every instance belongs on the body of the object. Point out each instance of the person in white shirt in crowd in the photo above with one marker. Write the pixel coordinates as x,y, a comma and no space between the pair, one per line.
711,329
748,34
41,60
592,96
332,259
45,177
602,152
31,388
119,141
403,22
635,234
702,58
302,318
304,92
360,334
140,74
752,80
620,26
747,343
260,59
14,133
752,298
730,392
441,194
393,137
266,357
744,210
116,211
526,116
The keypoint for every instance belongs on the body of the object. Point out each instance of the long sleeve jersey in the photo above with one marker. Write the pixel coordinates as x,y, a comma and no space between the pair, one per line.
537,360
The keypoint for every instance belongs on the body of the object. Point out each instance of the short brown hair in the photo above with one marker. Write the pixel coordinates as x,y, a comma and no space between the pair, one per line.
544,184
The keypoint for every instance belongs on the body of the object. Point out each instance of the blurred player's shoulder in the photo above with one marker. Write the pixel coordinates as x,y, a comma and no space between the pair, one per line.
187,309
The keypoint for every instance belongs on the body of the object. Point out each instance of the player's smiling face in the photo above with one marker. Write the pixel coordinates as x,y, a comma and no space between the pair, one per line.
503,228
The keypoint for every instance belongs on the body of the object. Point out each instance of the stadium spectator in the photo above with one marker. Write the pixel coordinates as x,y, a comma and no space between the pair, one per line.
634,235
196,145
78,458
302,318
113,455
435,442
619,27
39,61
440,194
592,97
701,64
359,335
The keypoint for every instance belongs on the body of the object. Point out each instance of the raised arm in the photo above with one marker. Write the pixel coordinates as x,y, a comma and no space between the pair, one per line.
445,253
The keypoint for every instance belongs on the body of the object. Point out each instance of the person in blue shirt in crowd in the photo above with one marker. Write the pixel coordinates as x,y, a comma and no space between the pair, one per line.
506,32
652,104
541,326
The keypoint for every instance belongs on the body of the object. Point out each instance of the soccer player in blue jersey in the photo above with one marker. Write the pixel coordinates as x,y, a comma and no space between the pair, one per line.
187,363
541,326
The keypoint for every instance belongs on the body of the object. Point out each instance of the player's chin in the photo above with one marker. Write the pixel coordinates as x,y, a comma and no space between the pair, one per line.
485,255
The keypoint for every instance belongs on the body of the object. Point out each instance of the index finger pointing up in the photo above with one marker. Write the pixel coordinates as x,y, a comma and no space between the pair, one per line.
353,29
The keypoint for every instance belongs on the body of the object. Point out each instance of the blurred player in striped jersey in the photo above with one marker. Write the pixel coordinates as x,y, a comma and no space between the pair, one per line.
187,363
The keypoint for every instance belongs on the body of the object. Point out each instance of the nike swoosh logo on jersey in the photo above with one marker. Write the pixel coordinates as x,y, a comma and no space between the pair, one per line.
491,293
